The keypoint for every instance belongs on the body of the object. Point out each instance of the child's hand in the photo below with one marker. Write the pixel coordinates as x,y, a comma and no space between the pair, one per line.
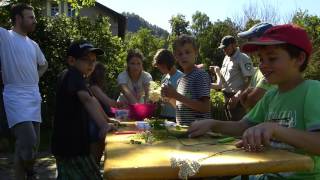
199,128
114,122
214,69
256,137
169,92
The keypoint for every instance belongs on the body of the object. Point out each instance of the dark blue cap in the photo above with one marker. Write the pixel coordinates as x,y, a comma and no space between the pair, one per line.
226,41
80,48
255,31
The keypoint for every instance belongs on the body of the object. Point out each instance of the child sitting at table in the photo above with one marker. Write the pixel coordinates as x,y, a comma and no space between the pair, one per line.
97,85
286,117
165,62
74,103
193,92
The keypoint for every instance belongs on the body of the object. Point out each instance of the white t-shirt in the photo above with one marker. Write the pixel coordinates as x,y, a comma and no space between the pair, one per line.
20,57
136,87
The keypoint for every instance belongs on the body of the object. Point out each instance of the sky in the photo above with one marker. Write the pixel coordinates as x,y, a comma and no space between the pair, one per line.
159,12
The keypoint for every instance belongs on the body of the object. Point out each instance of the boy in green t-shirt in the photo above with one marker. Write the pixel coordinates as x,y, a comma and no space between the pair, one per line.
288,116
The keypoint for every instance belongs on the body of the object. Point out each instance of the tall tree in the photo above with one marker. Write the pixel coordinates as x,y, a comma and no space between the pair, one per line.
210,38
312,25
179,25
200,21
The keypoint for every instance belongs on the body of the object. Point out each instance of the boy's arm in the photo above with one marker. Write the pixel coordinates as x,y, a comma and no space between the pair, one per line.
94,110
103,97
231,128
251,96
308,141
233,101
262,134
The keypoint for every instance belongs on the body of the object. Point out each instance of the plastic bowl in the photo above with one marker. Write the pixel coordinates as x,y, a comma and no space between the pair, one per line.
140,111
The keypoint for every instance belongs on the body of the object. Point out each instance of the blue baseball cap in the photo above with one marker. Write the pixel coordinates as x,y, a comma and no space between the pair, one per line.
80,48
255,31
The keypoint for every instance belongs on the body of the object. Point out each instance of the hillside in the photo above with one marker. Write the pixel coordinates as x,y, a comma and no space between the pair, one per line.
135,22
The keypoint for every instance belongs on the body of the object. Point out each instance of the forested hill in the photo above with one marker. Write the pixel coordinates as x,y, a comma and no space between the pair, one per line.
135,22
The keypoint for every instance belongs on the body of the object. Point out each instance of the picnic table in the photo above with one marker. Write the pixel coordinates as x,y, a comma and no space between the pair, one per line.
152,161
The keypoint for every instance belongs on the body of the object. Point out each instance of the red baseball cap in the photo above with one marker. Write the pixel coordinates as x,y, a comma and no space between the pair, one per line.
282,34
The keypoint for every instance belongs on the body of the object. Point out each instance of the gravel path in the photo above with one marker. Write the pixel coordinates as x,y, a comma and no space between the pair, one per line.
45,166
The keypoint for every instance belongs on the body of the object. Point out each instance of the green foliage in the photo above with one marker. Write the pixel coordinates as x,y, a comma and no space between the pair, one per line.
200,22
157,124
39,4
250,23
135,23
209,40
78,4
216,98
312,25
179,25
148,44
217,105
54,35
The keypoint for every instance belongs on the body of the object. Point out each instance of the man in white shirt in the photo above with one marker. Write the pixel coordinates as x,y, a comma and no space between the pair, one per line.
22,63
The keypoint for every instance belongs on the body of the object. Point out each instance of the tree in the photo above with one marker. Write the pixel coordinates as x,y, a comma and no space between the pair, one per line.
179,25
77,4
200,21
38,7
209,40
54,35
312,25
135,22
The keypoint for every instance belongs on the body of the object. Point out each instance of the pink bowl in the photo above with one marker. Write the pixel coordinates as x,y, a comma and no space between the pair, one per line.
139,111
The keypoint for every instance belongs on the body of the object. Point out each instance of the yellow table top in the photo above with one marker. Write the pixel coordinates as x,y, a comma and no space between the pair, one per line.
144,161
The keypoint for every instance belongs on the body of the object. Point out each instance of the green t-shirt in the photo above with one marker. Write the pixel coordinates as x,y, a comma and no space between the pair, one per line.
259,81
298,108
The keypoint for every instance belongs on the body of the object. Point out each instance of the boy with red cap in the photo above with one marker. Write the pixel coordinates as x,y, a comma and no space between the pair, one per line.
286,117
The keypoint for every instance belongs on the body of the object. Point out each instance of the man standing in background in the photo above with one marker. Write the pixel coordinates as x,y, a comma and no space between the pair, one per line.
233,78
22,63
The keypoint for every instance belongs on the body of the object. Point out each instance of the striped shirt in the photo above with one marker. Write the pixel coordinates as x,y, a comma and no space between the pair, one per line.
194,85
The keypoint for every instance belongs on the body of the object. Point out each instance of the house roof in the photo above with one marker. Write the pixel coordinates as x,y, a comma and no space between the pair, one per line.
122,17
